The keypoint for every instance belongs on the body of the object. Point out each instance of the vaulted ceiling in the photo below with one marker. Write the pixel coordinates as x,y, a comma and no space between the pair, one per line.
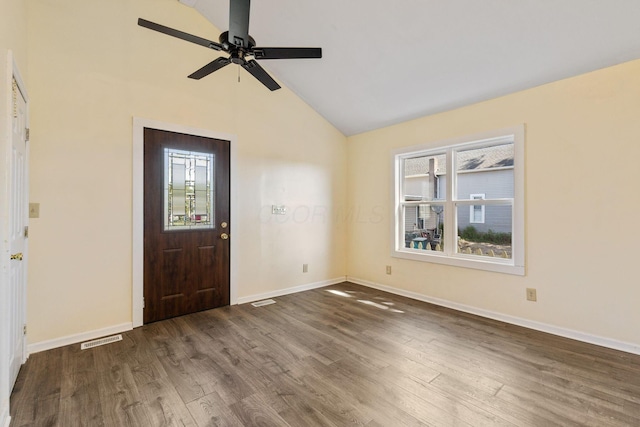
388,61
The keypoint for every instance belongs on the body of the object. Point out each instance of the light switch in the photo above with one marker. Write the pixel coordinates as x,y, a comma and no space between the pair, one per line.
34,210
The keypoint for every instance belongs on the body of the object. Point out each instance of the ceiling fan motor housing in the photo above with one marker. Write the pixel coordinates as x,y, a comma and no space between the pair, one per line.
236,50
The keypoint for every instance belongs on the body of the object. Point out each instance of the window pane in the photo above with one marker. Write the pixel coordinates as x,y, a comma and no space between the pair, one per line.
423,178
188,190
492,237
487,171
423,227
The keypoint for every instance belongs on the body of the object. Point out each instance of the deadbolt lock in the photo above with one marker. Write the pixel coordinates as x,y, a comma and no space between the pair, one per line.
224,225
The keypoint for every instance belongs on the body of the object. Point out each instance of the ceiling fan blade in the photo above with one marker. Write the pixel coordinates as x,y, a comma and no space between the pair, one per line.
286,52
212,66
239,22
179,34
259,73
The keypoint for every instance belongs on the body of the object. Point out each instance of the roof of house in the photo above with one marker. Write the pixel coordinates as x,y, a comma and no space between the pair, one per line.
477,159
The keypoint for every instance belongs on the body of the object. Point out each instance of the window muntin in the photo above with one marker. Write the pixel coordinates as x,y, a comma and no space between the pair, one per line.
480,223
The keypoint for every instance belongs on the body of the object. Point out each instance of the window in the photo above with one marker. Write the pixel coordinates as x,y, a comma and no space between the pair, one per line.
188,190
461,202
476,212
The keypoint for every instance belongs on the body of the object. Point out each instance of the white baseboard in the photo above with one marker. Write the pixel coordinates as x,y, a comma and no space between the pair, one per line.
293,290
77,338
530,324
5,416
116,329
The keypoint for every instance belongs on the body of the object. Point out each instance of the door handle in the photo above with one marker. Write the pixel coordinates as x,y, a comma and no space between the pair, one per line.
224,236
17,256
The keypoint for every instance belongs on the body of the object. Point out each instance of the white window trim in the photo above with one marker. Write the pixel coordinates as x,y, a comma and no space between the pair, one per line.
472,216
515,265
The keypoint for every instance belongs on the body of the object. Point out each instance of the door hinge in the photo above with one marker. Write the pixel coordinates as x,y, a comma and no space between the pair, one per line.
24,329
143,304
26,231
26,134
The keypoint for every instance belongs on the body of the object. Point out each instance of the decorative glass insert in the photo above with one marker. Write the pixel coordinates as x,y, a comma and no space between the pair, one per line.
188,190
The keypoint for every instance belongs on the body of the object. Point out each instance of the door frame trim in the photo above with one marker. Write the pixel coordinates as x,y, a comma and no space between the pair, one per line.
137,296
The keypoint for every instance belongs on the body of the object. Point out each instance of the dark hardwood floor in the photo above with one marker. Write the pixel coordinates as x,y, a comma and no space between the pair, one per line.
337,356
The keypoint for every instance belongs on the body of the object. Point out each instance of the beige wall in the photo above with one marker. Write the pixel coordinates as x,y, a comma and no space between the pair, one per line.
13,31
92,69
582,206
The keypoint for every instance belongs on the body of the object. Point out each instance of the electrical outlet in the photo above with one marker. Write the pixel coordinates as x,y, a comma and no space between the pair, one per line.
388,269
305,268
531,294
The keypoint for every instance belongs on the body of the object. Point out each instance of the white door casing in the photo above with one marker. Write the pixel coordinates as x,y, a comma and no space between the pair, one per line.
138,207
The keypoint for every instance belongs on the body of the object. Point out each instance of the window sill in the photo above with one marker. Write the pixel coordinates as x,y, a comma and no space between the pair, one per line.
497,265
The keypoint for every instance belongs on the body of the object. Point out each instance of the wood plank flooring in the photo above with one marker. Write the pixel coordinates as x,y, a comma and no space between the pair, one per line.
336,356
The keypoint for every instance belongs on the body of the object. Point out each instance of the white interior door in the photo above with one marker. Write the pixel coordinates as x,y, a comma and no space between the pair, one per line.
18,195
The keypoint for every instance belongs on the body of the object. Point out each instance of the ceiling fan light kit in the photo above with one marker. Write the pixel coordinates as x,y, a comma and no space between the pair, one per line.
240,46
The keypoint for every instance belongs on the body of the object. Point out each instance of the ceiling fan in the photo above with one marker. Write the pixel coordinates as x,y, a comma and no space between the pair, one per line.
239,45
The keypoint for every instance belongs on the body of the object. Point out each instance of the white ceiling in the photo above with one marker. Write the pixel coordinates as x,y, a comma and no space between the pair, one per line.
386,62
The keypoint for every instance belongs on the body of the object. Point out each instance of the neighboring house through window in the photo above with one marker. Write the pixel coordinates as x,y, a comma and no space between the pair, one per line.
461,202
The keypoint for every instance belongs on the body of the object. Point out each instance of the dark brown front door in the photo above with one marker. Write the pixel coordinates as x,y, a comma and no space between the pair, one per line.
186,224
